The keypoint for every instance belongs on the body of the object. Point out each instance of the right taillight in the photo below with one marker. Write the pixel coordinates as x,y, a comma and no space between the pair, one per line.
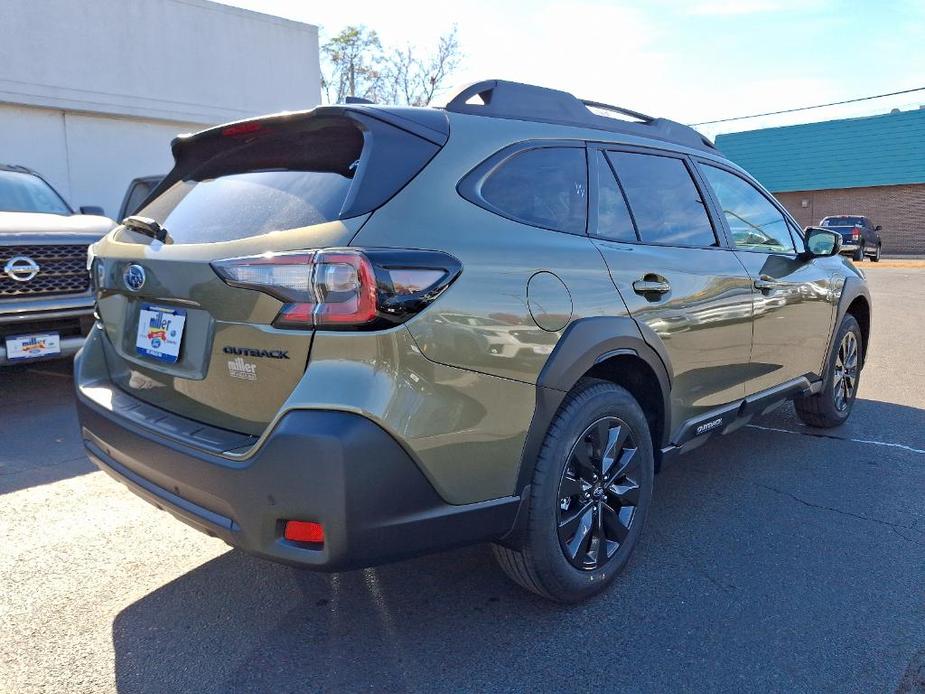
856,233
344,289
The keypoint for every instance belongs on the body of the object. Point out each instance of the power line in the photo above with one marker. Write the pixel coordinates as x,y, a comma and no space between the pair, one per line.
807,108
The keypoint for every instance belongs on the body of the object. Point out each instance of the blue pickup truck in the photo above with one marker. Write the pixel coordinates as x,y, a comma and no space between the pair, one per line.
859,236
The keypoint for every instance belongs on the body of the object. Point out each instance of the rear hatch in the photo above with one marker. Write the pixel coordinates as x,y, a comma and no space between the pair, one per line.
845,226
181,337
847,233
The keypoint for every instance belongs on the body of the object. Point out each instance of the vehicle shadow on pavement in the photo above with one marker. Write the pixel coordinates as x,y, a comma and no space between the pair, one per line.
774,559
38,429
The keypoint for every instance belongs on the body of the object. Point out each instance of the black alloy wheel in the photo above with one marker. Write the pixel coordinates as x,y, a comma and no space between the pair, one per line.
598,494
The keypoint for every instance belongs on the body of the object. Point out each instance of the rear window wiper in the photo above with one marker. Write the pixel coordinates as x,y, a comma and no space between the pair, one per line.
146,226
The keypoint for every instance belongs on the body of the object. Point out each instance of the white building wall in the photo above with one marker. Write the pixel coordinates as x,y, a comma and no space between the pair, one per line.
89,159
35,138
91,93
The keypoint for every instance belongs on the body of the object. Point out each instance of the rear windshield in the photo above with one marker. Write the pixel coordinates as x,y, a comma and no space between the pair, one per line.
269,183
843,222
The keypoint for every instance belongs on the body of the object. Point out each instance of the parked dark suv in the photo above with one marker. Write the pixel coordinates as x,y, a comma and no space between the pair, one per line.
859,236
359,333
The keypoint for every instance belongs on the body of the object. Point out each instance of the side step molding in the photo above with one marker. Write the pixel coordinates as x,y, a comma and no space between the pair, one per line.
723,420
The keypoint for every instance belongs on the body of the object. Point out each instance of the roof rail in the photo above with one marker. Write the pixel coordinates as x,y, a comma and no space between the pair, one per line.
514,100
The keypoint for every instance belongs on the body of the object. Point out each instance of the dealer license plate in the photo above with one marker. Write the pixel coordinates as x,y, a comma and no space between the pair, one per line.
160,332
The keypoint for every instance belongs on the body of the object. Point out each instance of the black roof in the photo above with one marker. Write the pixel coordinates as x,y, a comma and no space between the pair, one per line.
502,99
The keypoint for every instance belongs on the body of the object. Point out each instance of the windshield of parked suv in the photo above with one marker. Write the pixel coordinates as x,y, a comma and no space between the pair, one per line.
843,222
23,192
268,184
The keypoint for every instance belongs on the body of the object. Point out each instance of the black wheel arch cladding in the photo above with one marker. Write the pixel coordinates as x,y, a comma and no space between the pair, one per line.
585,344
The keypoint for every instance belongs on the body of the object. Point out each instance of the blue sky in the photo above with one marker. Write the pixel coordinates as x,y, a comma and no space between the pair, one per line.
690,60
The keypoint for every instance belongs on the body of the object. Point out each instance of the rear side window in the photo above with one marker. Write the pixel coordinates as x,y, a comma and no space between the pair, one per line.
755,223
613,216
545,187
666,204
287,176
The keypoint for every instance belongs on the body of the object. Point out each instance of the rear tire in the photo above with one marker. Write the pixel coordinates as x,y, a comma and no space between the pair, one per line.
832,406
594,477
859,254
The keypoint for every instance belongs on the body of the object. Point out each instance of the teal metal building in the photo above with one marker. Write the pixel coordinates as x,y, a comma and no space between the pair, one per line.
872,166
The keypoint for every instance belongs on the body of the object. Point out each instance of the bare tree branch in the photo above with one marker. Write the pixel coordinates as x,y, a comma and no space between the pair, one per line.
355,64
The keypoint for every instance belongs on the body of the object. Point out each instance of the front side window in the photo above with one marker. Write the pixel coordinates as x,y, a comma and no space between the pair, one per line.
23,192
666,204
545,187
755,224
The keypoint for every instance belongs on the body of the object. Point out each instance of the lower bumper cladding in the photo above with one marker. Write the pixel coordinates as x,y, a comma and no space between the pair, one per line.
338,470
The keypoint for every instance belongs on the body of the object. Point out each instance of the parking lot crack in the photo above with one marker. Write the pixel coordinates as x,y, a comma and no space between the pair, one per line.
837,510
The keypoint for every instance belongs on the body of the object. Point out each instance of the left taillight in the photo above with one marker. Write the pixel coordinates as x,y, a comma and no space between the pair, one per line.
344,289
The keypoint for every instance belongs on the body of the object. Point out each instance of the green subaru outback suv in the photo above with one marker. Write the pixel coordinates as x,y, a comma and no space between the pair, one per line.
359,333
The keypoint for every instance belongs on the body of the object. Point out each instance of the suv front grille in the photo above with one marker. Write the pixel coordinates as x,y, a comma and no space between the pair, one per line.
62,270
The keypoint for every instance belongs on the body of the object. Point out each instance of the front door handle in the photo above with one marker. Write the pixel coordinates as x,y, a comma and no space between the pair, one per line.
651,286
766,283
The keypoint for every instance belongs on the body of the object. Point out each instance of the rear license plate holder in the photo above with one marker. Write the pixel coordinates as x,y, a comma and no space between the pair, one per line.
34,346
160,332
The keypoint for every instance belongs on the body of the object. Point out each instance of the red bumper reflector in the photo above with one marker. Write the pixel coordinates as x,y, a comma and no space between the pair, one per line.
304,531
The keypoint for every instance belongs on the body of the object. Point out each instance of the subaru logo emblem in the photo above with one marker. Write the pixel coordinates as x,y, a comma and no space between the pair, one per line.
21,268
134,277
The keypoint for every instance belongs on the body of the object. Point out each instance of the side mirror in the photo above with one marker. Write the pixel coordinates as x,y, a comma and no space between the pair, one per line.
92,209
878,228
822,243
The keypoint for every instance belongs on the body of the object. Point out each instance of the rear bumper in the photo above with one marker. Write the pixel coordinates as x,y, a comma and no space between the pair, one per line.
335,468
849,247
69,347
72,322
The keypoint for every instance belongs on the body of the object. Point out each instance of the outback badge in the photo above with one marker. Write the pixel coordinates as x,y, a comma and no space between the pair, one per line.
261,353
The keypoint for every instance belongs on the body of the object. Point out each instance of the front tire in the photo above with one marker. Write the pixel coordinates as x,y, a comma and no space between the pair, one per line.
875,258
832,406
589,496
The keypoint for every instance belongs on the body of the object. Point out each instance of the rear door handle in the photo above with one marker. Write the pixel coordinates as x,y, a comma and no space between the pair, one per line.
651,287
766,282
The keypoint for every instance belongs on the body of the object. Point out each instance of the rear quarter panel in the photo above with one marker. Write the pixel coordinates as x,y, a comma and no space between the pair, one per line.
483,321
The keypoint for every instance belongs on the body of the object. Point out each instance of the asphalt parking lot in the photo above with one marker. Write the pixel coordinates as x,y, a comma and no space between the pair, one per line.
774,558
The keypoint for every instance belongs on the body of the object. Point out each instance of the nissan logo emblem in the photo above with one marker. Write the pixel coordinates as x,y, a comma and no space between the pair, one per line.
134,277
21,268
